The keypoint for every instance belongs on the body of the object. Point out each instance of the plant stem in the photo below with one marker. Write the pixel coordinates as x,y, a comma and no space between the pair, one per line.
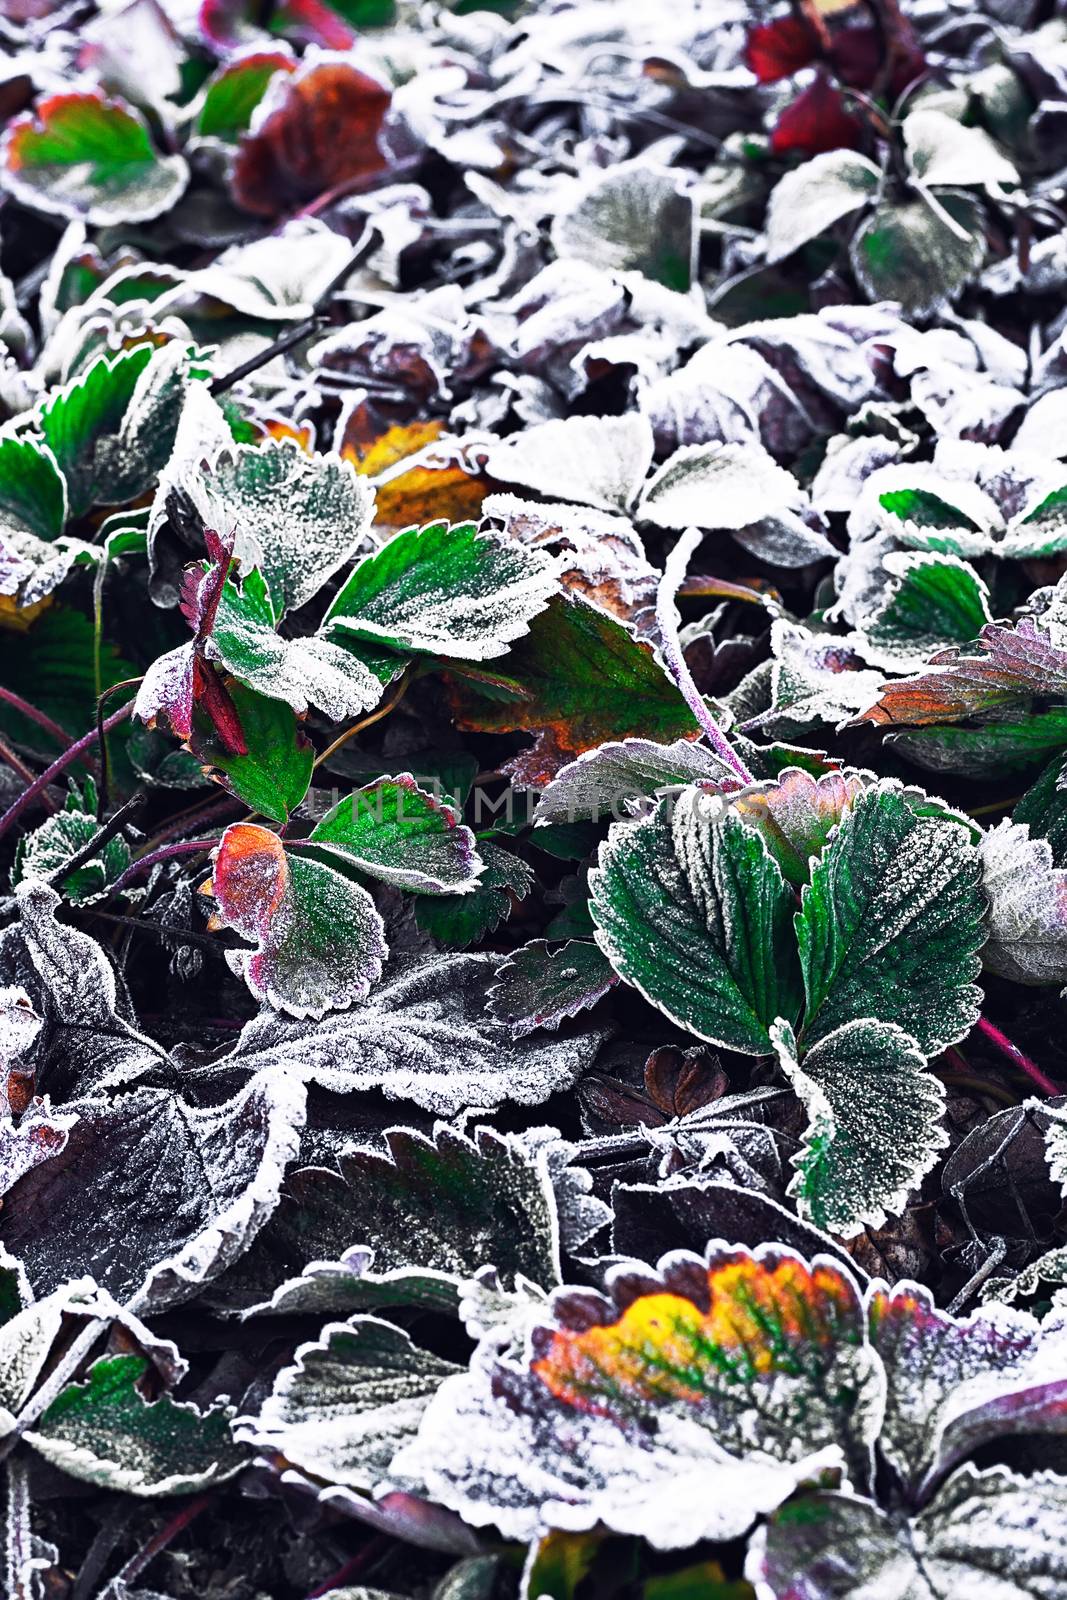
167,852
674,571
71,754
351,1569
25,709
1017,1057
15,762
192,819
101,734
375,716
99,839
159,1541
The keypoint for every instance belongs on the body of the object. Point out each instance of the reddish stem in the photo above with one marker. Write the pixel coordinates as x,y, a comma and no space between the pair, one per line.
40,784
159,1541
1017,1057
25,709
167,852
351,1569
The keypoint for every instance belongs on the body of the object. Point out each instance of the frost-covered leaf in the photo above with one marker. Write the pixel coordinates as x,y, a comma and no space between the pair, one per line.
815,195
424,1037
942,150
81,155
234,90
718,486
796,812
197,1182
955,1384
693,911
33,510
431,1210
987,1535
348,1402
538,986
301,517
1056,1144
320,942
111,429
611,779
920,251
89,1041
58,840
891,924
1027,906
397,832
106,1432
678,1410
314,129
1004,667
461,922
632,217
597,461
935,601
578,678
446,590
874,1128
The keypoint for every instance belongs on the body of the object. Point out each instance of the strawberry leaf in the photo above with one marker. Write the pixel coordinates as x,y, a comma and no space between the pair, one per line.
936,601
320,942
693,1399
398,833
105,1432
537,986
233,92
891,924
693,911
81,155
874,1127
458,923
444,590
272,772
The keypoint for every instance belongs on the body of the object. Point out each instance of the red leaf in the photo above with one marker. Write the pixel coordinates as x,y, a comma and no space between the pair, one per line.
778,49
816,121
321,129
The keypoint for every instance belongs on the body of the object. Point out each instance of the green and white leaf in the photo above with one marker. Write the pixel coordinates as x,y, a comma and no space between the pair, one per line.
458,923
815,195
1027,906
986,1535
693,911
298,517
934,601
48,848
446,590
613,779
538,986
921,252
633,217
718,486
105,1432
596,461
874,1128
400,834
891,924
348,1402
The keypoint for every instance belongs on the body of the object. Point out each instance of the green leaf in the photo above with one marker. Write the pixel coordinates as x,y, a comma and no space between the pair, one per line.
815,195
1039,533
33,510
874,1123
891,924
104,1432
987,751
402,835
537,987
921,251
83,156
633,217
234,91
692,910
577,679
936,600
60,838
347,1403
1044,809
320,942
273,775
302,671
112,429
445,590
459,923
299,517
